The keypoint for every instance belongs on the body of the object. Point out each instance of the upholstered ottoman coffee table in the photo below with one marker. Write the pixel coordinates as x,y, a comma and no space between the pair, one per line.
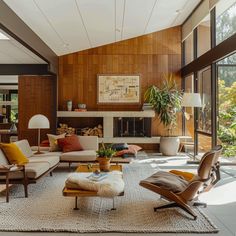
78,184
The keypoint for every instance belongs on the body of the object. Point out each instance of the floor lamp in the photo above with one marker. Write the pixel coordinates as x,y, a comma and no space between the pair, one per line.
191,100
38,122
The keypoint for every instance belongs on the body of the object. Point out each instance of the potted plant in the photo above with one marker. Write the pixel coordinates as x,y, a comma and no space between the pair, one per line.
104,155
166,101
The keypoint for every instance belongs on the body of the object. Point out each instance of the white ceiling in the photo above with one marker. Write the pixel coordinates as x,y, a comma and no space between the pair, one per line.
73,25
12,52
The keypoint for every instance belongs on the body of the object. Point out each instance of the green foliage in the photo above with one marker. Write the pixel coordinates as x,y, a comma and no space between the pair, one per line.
227,118
106,151
166,101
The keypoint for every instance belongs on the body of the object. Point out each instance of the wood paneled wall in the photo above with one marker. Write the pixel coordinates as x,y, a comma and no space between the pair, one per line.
149,55
37,95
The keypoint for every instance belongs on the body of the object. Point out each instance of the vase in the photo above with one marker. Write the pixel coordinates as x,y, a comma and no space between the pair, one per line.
69,105
104,163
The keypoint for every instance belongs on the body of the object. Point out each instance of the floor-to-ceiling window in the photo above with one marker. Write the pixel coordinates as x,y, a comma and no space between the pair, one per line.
215,121
226,128
225,20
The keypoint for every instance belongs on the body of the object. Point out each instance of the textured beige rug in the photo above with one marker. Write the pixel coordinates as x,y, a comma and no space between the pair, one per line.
47,210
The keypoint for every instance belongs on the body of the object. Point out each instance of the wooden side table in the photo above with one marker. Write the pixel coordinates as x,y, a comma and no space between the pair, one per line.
6,172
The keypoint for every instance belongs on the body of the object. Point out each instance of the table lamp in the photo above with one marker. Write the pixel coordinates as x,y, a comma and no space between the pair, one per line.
38,122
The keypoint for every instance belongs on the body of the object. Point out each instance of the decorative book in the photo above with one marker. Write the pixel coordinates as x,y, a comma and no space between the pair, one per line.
97,177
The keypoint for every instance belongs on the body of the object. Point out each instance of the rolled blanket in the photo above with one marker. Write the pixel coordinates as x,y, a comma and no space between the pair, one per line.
113,185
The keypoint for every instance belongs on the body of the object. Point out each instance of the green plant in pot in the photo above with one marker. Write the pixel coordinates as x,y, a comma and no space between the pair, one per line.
166,102
104,155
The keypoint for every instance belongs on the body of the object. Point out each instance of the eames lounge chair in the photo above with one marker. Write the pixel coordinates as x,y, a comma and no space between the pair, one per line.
181,189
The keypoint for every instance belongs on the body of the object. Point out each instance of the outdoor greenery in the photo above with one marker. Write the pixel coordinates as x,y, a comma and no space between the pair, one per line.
225,27
166,101
227,117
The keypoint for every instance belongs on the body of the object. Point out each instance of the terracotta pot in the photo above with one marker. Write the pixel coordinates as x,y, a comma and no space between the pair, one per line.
104,163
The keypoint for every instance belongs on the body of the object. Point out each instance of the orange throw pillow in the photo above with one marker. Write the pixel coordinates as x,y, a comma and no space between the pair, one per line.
186,175
70,144
13,154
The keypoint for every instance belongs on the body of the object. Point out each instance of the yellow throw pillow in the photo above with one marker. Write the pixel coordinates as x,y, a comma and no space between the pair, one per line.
13,154
186,175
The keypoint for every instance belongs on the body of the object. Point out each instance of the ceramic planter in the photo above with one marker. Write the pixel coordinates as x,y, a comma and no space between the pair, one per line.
169,146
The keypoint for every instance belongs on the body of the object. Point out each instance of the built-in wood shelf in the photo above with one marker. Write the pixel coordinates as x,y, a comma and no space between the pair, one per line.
149,113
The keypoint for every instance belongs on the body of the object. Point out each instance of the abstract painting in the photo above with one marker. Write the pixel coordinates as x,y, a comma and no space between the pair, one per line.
118,89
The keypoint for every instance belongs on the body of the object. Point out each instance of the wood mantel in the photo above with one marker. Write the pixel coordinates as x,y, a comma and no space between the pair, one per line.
149,113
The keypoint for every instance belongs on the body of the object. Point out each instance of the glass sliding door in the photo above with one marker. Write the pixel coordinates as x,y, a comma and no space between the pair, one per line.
226,130
189,115
204,119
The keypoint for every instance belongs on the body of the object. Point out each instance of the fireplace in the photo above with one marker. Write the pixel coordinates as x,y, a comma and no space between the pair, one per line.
132,127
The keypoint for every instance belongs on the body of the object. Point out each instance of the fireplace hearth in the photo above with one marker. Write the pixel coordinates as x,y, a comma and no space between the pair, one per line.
132,127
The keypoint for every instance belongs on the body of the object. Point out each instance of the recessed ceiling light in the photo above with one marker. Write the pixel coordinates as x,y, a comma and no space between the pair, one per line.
3,36
65,45
178,11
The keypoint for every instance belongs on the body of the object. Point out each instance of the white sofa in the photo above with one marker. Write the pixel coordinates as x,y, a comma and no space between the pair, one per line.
40,165
88,154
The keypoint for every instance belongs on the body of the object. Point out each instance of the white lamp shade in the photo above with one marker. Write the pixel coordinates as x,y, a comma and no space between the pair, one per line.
38,122
191,100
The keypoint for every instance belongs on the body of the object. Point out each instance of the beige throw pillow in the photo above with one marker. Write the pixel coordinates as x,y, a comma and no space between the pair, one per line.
53,142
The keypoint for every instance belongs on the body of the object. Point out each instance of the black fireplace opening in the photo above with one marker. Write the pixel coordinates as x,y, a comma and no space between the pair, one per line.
132,127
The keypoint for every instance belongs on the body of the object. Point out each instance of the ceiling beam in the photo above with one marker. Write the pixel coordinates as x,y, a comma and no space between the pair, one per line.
24,69
217,53
16,28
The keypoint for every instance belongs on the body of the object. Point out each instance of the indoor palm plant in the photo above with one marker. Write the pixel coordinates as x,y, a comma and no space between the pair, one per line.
104,155
166,101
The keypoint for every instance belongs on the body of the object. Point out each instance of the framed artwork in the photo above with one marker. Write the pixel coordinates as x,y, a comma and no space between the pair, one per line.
115,89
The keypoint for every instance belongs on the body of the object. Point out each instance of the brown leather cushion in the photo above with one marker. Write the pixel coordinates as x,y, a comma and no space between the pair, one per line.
168,181
70,144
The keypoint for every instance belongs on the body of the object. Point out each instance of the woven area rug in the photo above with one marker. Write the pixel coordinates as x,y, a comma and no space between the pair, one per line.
47,210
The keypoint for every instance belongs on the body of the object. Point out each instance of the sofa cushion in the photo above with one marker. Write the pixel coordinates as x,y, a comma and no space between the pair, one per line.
51,160
89,142
3,159
24,146
53,141
168,181
33,170
13,153
84,155
70,144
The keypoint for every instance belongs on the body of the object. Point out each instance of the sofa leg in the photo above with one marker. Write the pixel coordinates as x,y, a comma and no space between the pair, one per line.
26,189
25,182
51,173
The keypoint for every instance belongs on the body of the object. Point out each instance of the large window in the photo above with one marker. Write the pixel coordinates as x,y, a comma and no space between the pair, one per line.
204,36
188,49
8,106
204,88
227,105
189,112
225,20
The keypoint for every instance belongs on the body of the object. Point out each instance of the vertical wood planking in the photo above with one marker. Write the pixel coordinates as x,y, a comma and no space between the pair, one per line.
150,56
37,95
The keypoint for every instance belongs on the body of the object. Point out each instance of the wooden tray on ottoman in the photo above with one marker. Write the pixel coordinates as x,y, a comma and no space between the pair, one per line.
68,192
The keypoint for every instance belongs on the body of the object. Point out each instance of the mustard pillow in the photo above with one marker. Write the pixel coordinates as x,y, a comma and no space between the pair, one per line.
13,154
186,175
